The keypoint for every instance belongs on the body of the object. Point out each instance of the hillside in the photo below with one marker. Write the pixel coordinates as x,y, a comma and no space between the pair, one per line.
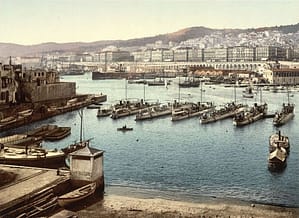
9,49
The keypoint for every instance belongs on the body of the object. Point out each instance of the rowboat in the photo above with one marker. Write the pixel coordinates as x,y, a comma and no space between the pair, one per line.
124,128
76,195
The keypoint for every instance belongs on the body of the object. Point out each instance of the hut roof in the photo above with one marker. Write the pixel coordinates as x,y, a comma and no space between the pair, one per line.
87,151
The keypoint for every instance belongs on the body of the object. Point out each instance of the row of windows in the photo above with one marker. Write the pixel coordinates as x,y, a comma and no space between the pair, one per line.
287,74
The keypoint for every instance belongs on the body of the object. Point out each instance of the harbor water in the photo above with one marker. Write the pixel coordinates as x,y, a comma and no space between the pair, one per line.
185,159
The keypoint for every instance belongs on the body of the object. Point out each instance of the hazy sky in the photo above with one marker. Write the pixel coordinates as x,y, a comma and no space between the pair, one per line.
36,21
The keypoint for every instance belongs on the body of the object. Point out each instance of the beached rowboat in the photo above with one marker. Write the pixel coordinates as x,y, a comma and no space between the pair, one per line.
76,195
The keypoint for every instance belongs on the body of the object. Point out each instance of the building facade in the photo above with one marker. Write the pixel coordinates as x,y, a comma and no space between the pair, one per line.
284,76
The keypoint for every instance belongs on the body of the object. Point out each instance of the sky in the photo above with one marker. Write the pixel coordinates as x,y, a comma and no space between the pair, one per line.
30,22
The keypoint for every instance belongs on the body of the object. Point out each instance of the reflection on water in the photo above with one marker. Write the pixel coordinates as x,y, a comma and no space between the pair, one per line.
186,158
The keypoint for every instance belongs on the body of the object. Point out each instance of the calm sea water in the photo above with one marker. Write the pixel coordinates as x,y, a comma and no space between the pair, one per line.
186,159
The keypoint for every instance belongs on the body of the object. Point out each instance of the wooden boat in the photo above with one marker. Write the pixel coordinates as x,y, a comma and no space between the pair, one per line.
124,128
153,112
50,132
25,113
42,131
286,114
58,133
21,141
34,157
191,110
229,110
277,159
8,120
255,113
277,140
76,195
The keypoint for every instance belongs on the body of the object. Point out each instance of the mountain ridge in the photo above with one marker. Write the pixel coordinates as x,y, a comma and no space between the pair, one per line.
11,49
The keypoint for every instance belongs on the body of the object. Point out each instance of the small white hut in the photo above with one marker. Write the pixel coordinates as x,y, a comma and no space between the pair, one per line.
86,166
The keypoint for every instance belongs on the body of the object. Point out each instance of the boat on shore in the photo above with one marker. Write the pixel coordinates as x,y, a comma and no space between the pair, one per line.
286,114
254,113
153,112
189,110
228,111
77,195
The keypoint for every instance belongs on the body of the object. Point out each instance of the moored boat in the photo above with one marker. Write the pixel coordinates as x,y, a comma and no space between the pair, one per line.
128,108
277,159
76,195
104,111
153,112
189,110
34,157
278,140
286,114
255,113
229,110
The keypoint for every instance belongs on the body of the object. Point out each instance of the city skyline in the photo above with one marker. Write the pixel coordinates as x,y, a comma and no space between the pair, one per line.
33,22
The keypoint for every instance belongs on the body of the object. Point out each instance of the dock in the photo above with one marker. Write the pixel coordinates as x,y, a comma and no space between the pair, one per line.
33,192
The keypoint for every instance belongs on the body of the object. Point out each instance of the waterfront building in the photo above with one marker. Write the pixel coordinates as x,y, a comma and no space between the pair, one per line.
283,76
38,85
266,53
115,56
215,55
147,55
167,55
8,86
181,54
240,54
157,55
196,55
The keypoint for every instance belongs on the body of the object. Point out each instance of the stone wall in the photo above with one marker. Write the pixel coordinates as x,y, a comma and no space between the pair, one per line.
48,92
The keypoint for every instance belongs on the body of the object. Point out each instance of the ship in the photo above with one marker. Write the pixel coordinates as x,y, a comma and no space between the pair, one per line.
229,110
153,112
254,113
278,140
189,110
286,114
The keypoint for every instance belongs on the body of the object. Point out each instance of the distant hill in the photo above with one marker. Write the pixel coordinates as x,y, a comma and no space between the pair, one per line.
9,49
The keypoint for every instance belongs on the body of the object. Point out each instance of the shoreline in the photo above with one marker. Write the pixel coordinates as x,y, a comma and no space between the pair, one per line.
128,204
124,206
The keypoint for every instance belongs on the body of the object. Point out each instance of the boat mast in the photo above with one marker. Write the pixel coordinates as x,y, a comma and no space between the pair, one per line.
200,90
261,96
179,89
144,87
126,87
81,123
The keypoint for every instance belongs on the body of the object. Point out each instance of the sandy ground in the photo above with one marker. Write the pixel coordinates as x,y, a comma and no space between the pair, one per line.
121,206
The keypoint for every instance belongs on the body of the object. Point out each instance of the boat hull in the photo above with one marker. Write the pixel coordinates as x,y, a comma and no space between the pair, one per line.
76,195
